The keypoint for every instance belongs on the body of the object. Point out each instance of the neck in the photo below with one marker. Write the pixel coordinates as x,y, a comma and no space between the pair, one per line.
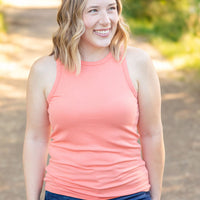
92,55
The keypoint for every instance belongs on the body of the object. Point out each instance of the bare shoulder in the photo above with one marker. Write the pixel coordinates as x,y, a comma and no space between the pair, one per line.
136,52
42,75
138,56
43,69
139,62
43,64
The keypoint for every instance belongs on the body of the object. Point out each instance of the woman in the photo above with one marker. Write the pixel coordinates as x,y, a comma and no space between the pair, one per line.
88,105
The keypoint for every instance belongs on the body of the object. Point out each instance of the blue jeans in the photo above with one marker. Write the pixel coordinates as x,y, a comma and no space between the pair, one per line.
136,196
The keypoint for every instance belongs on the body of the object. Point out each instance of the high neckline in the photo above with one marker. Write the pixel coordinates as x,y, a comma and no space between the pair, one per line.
98,62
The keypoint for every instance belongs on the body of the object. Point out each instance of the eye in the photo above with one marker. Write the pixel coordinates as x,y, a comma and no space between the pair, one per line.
93,11
112,8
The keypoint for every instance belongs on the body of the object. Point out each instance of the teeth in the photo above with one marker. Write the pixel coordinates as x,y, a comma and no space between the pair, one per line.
102,32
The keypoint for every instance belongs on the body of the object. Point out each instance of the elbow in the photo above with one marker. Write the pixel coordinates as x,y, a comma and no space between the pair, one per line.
151,131
37,136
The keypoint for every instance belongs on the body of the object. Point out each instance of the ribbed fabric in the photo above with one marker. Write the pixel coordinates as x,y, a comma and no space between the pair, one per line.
94,149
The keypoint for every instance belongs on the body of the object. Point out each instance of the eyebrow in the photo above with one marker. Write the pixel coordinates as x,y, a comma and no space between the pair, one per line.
111,4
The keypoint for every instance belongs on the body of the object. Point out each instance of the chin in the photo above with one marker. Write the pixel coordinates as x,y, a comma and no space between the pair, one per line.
103,43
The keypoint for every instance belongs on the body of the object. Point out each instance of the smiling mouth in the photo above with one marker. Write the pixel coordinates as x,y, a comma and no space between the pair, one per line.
102,32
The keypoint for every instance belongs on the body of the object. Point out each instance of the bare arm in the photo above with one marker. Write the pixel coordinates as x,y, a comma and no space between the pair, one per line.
37,133
150,124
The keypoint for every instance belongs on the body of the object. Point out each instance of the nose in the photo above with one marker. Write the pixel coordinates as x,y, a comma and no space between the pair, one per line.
105,20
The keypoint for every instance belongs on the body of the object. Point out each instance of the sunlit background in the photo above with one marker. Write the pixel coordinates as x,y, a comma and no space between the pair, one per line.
168,30
31,3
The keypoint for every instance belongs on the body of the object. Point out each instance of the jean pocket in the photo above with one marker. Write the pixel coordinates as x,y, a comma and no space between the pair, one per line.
147,196
51,196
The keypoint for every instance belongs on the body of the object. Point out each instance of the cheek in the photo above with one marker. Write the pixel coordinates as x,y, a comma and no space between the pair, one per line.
115,19
89,22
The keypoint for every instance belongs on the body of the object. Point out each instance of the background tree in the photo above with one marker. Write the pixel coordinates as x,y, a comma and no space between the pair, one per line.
194,19
169,17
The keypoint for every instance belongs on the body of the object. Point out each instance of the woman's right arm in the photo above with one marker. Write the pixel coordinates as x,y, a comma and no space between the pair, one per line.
37,132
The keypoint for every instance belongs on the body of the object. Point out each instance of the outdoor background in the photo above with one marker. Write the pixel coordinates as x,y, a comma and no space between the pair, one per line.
168,30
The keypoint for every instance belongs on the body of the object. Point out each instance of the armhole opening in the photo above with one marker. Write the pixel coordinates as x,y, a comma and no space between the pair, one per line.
57,79
128,78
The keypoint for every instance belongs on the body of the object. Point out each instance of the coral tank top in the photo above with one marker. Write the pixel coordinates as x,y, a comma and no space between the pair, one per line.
94,150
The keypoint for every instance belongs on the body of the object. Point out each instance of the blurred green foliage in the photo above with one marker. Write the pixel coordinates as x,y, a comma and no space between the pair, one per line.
194,19
170,25
168,18
2,22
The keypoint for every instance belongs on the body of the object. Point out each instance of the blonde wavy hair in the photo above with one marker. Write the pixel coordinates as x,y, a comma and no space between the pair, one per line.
71,28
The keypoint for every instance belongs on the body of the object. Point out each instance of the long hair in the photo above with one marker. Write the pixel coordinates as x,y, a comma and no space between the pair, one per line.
71,28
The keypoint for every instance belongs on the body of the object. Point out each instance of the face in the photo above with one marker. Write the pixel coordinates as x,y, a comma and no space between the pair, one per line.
100,18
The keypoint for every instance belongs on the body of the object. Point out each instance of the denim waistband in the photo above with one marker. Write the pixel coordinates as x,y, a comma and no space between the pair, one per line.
135,196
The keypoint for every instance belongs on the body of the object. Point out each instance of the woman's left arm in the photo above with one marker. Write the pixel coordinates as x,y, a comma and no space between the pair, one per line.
150,124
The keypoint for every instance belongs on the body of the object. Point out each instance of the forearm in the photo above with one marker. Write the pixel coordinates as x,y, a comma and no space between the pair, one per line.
34,162
154,157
